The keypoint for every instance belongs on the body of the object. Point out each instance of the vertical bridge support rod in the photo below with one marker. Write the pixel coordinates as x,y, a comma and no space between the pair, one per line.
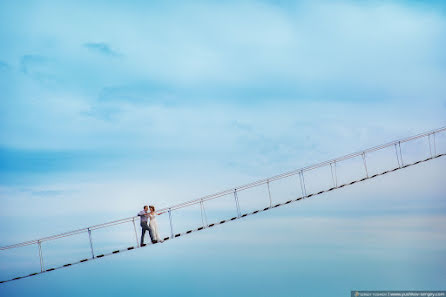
91,243
204,218
302,183
333,174
435,146
170,220
365,165
42,268
269,194
136,233
237,205
397,156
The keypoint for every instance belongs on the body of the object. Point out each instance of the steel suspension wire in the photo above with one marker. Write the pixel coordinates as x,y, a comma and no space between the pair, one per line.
297,171
173,236
396,143
431,137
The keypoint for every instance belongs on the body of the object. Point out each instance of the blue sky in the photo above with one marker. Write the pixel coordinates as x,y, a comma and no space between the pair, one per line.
106,106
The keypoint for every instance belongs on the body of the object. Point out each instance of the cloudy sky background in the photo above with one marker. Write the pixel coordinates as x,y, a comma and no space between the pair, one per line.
105,107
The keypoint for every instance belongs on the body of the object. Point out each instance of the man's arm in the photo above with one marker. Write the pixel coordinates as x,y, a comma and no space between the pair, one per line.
142,213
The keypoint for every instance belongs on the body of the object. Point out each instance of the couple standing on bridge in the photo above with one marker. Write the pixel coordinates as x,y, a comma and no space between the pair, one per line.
152,227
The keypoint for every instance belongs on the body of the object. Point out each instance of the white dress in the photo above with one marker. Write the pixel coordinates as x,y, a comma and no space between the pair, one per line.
154,226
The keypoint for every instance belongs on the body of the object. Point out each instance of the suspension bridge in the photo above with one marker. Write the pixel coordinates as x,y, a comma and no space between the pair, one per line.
396,155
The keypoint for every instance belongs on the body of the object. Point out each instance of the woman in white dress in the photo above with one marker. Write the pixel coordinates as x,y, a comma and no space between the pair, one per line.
154,225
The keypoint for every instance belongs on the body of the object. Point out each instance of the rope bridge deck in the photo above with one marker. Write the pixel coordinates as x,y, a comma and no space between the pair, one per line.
430,136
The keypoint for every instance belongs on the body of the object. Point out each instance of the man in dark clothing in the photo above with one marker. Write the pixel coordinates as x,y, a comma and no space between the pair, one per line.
143,214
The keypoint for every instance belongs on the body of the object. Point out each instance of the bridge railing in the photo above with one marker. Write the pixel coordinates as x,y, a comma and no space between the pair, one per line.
234,202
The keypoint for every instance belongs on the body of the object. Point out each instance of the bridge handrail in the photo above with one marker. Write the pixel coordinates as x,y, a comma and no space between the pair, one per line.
231,190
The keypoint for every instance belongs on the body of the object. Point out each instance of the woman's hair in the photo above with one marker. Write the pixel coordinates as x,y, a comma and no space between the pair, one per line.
152,207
